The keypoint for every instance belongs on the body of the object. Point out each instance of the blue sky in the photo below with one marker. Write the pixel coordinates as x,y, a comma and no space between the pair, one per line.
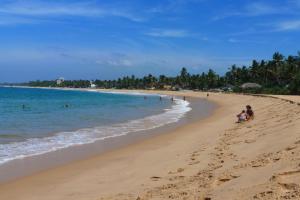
89,39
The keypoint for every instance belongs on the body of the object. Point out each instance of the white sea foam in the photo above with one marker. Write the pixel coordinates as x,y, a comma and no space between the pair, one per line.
124,93
37,146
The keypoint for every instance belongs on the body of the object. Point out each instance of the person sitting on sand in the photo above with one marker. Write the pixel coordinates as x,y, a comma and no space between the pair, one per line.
249,112
242,116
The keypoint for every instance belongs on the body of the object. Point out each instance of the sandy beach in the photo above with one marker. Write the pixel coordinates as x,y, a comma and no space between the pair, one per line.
211,158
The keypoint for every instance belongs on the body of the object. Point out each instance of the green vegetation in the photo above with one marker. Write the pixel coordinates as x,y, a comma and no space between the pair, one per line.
277,76
67,83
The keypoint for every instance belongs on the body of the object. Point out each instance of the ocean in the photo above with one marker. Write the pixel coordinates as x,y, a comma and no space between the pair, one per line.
36,121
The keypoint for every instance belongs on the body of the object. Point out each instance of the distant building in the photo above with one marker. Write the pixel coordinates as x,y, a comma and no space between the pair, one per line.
228,88
167,87
176,88
92,85
150,88
250,86
60,80
217,90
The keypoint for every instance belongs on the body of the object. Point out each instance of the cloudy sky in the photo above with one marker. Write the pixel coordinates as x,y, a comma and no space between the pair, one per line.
89,39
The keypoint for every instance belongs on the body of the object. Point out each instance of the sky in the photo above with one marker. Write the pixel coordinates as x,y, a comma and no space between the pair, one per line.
106,39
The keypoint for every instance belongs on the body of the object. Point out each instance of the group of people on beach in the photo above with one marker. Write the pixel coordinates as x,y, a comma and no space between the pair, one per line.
245,115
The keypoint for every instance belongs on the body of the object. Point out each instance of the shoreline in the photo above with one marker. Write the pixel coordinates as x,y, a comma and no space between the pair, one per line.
29,165
211,158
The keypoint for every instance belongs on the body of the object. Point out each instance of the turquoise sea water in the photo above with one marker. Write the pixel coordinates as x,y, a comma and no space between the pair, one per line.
36,121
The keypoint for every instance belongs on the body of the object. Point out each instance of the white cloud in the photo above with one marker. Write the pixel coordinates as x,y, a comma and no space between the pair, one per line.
54,9
6,21
40,8
175,33
256,9
173,6
288,25
115,59
90,63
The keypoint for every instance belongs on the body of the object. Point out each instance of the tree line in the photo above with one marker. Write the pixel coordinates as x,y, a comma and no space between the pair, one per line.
280,75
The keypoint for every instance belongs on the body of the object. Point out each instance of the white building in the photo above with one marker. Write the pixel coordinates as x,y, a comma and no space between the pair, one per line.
60,80
92,85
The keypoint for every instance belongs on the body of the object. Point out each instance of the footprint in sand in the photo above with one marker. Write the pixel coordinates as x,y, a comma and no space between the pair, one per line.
250,141
155,178
290,148
265,195
194,163
193,156
176,178
257,165
179,170
289,183
289,173
289,186
224,179
298,142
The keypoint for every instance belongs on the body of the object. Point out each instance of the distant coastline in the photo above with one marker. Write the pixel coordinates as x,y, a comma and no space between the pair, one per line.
281,75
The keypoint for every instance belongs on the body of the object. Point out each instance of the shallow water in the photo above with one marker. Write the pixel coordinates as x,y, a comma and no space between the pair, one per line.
36,121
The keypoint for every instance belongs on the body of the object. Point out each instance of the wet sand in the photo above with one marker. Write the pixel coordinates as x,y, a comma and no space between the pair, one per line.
211,158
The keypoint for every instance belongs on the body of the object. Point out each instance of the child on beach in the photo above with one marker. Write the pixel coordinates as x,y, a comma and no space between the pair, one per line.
242,117
249,112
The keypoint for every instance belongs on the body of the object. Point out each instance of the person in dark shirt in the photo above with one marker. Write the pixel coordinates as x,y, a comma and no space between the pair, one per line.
249,112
